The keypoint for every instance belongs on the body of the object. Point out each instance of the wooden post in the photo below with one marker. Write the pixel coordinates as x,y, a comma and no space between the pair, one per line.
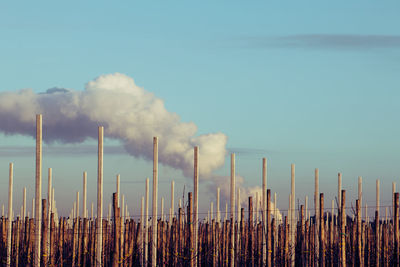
377,240
268,230
99,224
393,191
84,194
317,217
49,187
45,232
342,233
85,241
360,192
146,225
218,206
38,189
190,230
195,205
359,248
250,234
17,241
264,206
339,190
232,215
238,232
171,214
322,231
10,212
154,202
117,231
140,234
293,215
396,229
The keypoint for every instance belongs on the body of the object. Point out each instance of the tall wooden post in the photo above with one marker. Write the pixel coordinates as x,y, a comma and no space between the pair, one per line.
322,231
268,230
99,224
316,206
339,197
250,232
342,233
190,230
171,214
117,232
10,212
264,206
378,240
393,191
84,194
38,189
154,202
396,229
146,225
232,215
45,236
218,207
359,248
360,192
49,187
196,202
24,204
293,215
141,245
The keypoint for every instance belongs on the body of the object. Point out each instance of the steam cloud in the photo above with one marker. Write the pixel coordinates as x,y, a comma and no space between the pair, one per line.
223,183
128,113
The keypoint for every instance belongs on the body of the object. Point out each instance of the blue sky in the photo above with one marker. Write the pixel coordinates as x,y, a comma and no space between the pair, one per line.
310,83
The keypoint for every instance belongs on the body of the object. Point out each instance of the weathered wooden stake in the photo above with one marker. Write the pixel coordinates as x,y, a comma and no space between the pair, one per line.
171,214
99,224
195,203
49,187
218,206
360,192
264,206
10,211
146,225
339,190
45,232
317,217
84,194
232,215
293,215
24,204
342,233
396,229
154,202
322,231
38,190
117,231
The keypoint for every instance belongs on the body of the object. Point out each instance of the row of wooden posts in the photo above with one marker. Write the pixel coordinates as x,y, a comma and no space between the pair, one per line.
298,239
341,240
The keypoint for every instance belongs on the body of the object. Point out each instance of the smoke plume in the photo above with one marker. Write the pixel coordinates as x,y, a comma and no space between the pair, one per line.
128,113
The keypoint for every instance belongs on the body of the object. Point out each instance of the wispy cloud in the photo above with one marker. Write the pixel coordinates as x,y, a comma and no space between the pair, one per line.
324,41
